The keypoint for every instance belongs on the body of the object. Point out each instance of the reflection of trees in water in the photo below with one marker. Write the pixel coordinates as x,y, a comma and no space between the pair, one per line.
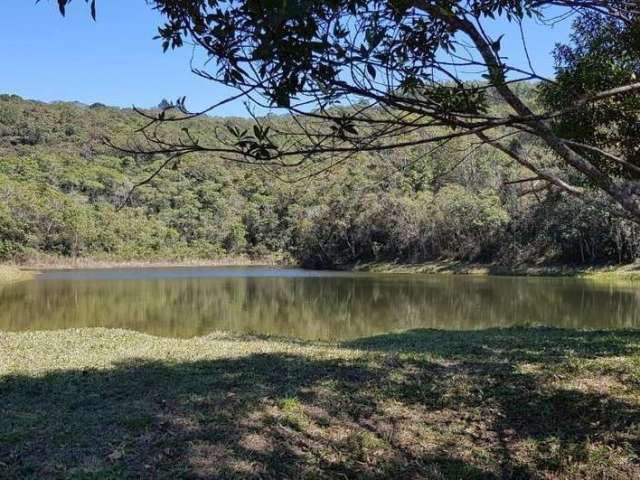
315,307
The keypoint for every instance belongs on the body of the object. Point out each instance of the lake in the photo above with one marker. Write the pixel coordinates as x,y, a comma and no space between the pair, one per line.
187,302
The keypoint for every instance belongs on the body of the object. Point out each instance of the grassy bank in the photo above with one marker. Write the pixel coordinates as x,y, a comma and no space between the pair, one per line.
515,403
10,274
623,271
49,262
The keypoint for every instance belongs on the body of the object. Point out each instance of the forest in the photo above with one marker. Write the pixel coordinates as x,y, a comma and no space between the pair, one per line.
67,193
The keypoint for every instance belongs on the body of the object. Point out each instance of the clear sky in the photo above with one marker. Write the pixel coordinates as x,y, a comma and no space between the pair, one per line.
116,61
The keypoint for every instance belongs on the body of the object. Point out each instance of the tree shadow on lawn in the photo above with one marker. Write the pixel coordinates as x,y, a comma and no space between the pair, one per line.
509,344
380,415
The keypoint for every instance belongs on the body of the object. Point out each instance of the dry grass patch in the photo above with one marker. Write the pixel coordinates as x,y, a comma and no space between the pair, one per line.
10,274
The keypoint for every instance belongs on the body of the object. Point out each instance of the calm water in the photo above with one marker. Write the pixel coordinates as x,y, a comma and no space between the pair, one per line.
185,302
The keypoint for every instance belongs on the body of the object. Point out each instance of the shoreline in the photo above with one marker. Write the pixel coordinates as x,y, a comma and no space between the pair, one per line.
18,271
63,263
447,267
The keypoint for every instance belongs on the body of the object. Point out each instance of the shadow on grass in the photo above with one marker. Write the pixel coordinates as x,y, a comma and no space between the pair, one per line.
416,406
509,344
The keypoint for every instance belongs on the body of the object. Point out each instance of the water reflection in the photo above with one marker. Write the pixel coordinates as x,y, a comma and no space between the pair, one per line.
310,305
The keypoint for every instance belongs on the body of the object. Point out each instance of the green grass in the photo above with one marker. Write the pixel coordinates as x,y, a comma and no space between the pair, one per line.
493,404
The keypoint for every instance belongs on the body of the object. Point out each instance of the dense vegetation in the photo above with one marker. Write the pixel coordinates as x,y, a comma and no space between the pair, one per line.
410,60
61,187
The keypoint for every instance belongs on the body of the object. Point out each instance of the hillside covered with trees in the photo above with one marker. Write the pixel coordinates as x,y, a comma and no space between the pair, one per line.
62,190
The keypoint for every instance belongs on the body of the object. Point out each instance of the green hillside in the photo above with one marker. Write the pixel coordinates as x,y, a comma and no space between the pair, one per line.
61,187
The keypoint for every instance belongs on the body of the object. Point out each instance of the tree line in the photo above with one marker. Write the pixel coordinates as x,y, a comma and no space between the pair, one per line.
66,192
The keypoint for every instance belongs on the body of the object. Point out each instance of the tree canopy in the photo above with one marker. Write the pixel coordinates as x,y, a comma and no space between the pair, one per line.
360,75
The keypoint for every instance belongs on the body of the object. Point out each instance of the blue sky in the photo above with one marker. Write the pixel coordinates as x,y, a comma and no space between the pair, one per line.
116,61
